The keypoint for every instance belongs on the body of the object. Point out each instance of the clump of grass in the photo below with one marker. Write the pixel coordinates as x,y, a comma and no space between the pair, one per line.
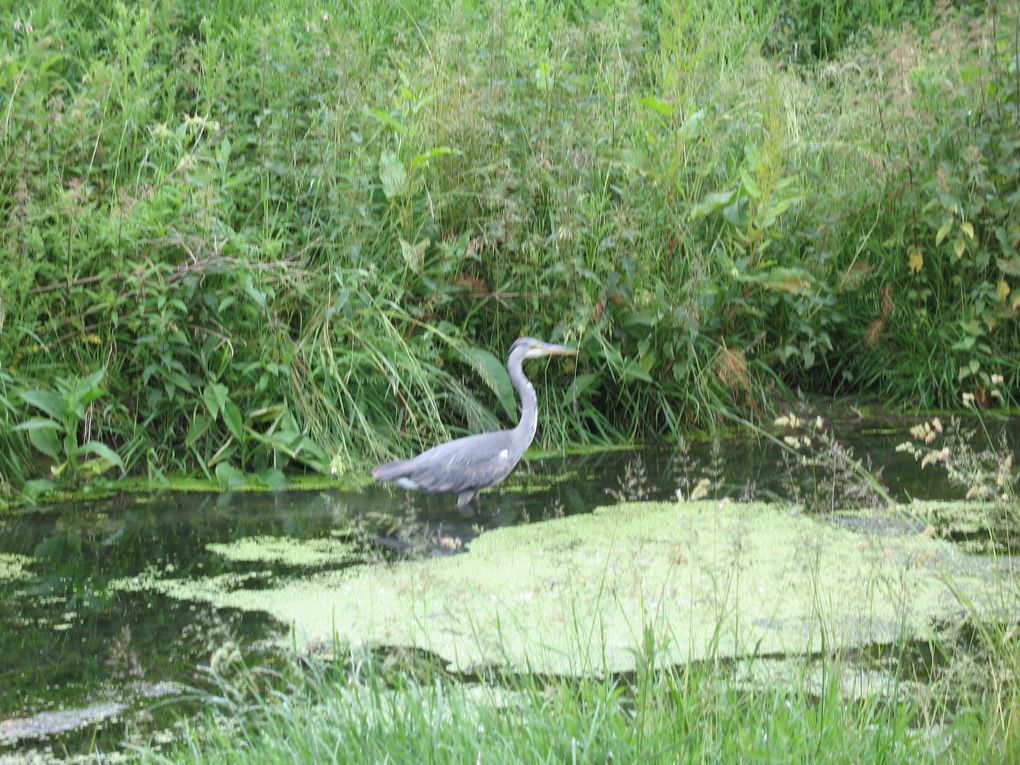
13,453
822,474
985,474
370,708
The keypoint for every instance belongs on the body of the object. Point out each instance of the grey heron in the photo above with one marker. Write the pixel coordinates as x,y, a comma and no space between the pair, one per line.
470,464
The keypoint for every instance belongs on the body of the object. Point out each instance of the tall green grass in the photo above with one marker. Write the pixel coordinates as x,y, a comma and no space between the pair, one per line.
13,452
352,710
288,231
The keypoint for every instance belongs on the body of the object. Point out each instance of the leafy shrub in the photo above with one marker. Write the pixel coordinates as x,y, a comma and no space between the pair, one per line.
949,322
68,409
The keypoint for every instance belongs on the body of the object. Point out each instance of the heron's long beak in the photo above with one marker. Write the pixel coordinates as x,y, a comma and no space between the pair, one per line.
548,349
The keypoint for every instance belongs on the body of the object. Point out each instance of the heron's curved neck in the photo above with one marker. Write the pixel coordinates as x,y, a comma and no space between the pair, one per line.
529,400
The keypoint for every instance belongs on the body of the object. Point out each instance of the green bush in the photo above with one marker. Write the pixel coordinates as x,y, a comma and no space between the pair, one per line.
947,325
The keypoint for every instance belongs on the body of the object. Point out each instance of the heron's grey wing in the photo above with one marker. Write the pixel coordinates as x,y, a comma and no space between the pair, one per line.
467,463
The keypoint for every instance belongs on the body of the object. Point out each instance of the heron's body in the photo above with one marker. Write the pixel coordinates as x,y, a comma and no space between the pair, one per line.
469,464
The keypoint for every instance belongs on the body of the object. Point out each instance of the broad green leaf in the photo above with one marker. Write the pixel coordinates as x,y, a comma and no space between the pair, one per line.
215,396
228,476
1010,266
648,360
47,401
37,423
392,174
46,442
103,451
735,213
223,156
272,478
656,105
253,292
414,254
943,232
173,377
750,185
968,229
420,160
211,404
493,374
232,417
85,391
712,203
633,371
198,427
95,467
781,205
285,440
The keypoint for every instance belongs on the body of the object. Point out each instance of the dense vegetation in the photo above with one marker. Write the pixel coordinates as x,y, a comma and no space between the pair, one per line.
250,236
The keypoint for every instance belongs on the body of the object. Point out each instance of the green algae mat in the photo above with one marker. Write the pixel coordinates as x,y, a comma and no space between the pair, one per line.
584,593
286,551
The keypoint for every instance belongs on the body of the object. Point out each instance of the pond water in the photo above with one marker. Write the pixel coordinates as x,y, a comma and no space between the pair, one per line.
85,666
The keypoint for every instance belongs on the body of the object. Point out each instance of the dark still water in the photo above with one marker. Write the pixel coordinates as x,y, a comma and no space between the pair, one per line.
84,667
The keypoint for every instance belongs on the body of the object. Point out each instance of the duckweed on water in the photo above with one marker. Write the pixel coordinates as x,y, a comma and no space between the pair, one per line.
286,551
579,594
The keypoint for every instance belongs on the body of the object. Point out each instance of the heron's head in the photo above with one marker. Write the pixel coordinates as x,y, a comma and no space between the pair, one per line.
530,348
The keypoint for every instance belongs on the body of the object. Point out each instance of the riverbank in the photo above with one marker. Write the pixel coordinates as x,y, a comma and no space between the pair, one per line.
300,237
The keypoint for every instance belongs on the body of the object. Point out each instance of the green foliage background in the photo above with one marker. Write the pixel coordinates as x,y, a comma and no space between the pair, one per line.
265,236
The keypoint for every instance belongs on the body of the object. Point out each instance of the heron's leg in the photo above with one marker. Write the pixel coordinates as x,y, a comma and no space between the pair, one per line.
464,498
